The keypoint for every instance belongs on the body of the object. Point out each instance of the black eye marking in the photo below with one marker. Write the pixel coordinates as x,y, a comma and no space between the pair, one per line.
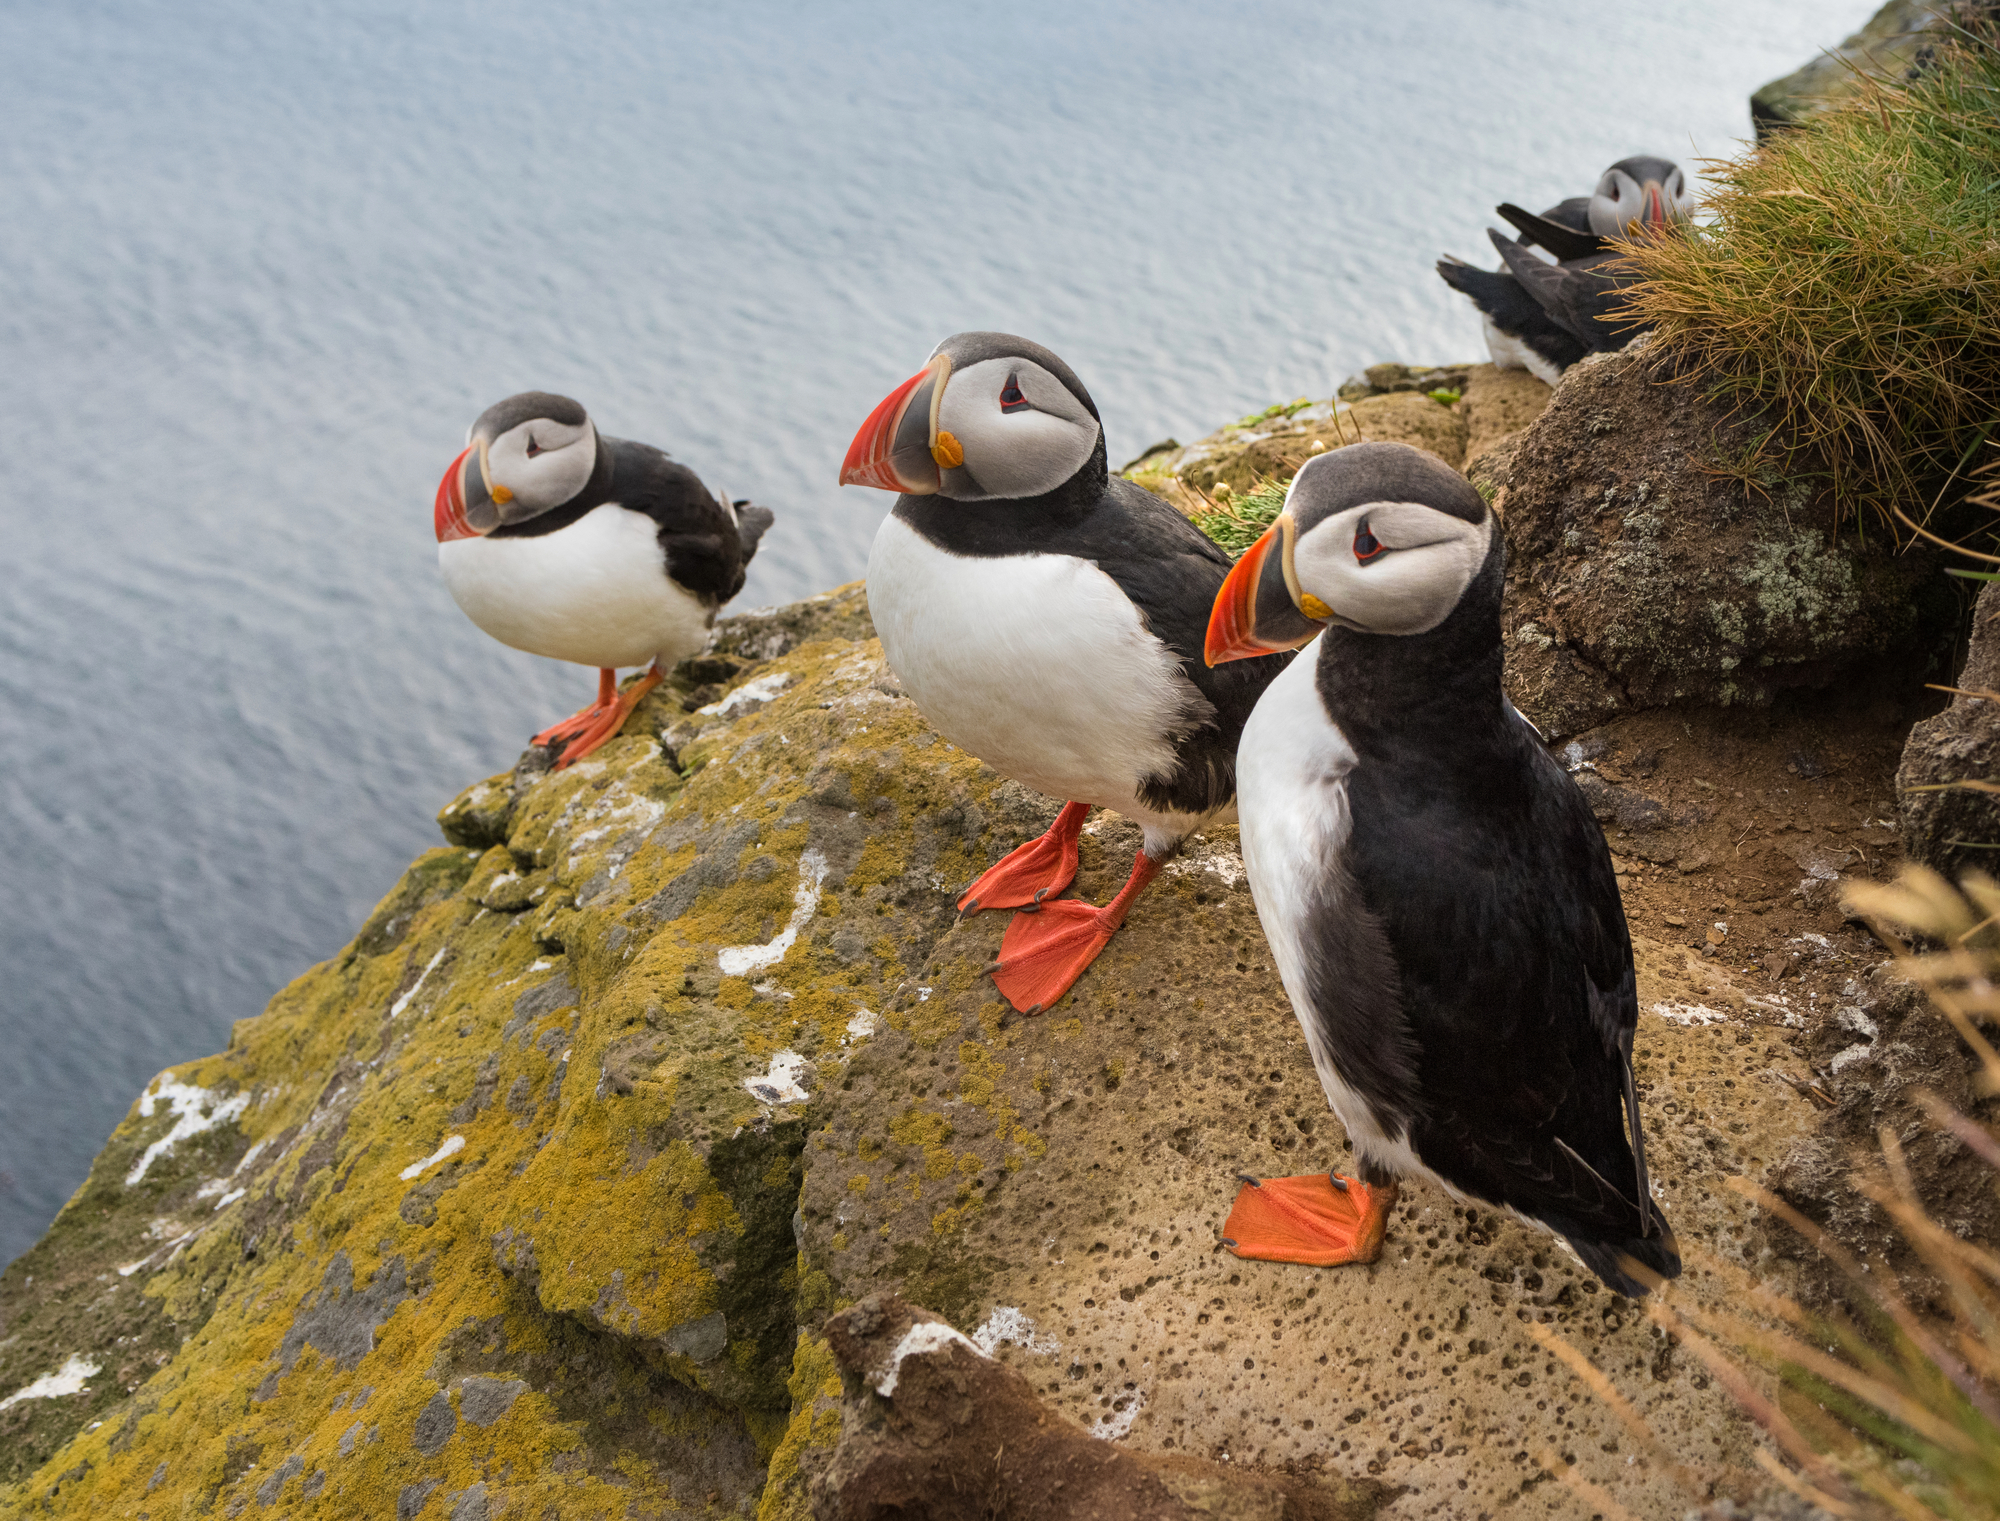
1011,399
1366,546
534,448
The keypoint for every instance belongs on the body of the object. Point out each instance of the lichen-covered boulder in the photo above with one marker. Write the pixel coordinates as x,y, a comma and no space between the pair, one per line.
1946,824
1885,47
1642,573
494,1210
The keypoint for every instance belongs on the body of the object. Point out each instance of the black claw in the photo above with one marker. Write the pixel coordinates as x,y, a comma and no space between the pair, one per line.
990,968
1033,1008
1040,893
1226,1241
1244,1177
1337,1181
970,906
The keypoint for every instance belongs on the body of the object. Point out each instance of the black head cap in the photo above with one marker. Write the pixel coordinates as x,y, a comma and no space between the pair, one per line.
1359,474
526,407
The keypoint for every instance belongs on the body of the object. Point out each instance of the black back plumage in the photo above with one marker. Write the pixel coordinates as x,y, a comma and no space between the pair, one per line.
1583,296
1484,883
708,544
1169,569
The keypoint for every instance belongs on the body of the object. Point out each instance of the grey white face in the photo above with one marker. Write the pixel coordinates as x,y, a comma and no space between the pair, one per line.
1637,191
1380,538
535,451
1021,431
1386,567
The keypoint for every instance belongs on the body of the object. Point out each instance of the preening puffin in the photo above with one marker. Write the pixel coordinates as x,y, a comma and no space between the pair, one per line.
1047,617
559,541
1542,317
1438,898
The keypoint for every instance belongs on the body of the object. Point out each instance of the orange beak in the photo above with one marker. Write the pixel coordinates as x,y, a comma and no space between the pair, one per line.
896,447
449,511
1254,613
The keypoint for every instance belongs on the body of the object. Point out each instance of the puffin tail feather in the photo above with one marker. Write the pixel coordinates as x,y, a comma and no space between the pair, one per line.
1635,1266
752,522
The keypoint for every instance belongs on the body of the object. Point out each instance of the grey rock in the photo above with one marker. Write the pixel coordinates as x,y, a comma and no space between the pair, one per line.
702,1340
1943,825
482,1401
436,1423
471,1506
1884,48
340,1323
1640,577
411,1498
291,1468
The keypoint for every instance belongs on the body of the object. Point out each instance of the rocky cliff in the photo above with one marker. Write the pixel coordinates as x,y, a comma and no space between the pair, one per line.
537,1198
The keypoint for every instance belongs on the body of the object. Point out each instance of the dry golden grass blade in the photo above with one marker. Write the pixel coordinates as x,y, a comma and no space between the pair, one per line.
1606,1391
1768,1461
1884,1294
1970,1135
1892,1402
1596,1495
1723,1369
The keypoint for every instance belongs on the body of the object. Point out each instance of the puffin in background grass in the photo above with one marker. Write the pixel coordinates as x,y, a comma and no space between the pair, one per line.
1438,897
559,541
1048,617
1544,317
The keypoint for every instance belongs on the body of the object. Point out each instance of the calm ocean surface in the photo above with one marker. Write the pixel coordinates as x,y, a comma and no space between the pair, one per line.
260,265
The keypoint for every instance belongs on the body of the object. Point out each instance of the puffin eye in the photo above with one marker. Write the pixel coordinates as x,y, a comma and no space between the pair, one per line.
534,448
1011,399
1366,546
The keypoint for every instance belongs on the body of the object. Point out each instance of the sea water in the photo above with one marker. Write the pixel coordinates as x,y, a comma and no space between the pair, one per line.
261,265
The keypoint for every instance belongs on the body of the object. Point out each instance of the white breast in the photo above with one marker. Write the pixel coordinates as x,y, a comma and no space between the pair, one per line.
1291,803
596,592
1037,664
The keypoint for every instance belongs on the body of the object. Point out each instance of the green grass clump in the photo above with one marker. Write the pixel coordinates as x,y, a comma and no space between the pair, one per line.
1236,520
1277,409
1847,291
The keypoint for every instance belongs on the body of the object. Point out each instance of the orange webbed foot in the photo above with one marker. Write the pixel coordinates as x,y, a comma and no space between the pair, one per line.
1046,949
594,726
1029,873
1321,1220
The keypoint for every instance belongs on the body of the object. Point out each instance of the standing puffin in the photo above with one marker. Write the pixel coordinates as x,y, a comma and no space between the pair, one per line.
559,541
1438,898
1543,317
1048,616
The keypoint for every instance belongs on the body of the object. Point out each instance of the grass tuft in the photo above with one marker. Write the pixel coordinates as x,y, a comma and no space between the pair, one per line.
1237,519
1847,289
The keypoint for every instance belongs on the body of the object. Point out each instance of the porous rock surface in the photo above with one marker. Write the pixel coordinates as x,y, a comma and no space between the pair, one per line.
935,1427
1945,825
1642,573
537,1198
1390,403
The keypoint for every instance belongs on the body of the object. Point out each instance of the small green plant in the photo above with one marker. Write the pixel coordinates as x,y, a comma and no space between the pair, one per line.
1277,409
1846,289
1236,520
1444,396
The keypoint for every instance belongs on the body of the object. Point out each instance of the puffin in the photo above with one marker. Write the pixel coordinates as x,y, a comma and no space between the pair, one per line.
1047,617
1543,318
562,542
1438,898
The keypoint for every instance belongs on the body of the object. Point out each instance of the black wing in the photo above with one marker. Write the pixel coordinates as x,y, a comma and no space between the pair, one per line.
1584,297
1172,571
1507,304
704,549
1564,241
1494,888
